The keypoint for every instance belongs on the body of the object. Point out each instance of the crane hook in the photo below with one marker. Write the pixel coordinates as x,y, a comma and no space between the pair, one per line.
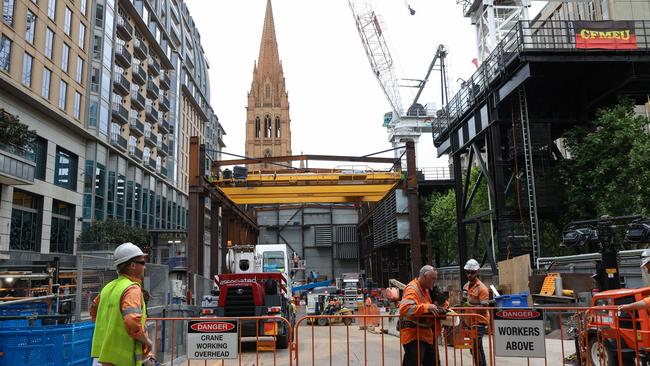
411,11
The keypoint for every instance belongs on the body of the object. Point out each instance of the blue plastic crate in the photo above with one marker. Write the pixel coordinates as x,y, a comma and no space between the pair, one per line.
28,308
512,301
52,345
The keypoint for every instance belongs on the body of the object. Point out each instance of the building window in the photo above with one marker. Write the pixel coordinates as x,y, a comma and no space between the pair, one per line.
27,69
47,79
145,207
99,15
257,127
92,114
119,197
5,53
51,9
267,91
49,42
82,7
67,22
40,157
25,221
82,36
8,11
65,169
77,105
63,94
62,229
129,203
80,70
267,127
277,127
65,55
110,196
137,202
100,186
30,27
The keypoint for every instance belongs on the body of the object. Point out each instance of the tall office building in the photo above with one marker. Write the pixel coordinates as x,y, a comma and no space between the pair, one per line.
114,89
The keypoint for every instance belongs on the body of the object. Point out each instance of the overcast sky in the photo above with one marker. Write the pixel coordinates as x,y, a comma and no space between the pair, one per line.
336,104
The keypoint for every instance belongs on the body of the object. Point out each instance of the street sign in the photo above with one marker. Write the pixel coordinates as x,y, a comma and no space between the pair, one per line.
519,332
212,339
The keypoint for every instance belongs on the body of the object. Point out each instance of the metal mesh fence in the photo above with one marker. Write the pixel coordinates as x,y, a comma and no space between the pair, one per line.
203,286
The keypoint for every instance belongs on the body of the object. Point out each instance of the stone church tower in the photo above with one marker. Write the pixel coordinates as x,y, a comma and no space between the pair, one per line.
268,131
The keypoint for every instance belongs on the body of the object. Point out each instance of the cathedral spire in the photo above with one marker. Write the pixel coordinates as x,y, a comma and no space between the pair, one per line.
269,58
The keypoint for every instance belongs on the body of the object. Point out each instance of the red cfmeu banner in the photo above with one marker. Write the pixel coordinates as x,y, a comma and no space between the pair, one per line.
609,35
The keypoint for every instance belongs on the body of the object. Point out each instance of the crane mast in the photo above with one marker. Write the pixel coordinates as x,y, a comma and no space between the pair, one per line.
402,127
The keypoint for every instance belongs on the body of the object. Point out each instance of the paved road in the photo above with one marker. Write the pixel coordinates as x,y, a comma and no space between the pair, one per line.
340,345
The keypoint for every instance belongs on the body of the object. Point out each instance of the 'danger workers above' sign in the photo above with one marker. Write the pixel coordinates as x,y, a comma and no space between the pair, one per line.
519,332
212,339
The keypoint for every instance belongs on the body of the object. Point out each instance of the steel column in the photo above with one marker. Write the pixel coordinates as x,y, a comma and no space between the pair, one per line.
414,210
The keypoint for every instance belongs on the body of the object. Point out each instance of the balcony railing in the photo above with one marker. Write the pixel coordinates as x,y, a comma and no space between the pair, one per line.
163,171
149,138
17,165
152,164
135,153
154,66
136,127
152,89
124,29
118,140
151,115
121,85
164,80
164,104
140,49
120,114
162,149
122,56
137,100
163,126
139,75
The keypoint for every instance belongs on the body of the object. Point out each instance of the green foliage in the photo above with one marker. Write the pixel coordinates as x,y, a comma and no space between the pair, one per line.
112,232
440,221
609,169
13,132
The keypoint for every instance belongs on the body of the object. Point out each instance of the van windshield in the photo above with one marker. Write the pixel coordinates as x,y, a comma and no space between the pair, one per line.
273,261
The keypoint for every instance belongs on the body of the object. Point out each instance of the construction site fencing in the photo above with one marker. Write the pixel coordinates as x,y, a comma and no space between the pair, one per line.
259,349
584,336
93,272
203,286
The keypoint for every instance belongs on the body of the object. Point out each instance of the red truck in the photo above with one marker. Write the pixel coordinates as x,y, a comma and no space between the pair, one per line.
257,294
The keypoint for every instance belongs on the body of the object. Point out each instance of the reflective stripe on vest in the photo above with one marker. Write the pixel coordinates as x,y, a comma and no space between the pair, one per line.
411,310
111,342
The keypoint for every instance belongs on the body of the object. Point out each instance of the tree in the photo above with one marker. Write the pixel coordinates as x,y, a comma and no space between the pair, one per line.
13,132
441,226
111,233
609,169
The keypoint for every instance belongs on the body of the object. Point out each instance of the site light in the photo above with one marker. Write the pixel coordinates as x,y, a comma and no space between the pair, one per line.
638,232
579,236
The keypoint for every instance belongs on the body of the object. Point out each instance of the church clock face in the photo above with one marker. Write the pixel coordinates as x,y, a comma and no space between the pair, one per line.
268,129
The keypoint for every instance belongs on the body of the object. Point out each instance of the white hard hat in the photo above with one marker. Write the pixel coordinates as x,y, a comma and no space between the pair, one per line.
472,265
645,257
126,252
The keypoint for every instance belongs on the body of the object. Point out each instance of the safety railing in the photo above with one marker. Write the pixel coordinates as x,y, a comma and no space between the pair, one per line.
570,335
265,331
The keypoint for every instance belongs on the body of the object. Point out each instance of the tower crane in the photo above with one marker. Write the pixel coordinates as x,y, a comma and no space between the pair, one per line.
402,127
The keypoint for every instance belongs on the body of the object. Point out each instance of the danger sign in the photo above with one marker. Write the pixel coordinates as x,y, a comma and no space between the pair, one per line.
212,339
519,332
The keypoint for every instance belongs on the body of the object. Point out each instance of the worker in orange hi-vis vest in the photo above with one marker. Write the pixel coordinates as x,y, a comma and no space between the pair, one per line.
416,328
476,294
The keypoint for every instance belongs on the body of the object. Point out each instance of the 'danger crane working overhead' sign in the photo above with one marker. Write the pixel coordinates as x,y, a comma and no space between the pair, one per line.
519,333
212,340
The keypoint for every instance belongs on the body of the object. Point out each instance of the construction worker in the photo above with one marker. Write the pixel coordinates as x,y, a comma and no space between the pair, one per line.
119,313
645,303
475,294
416,332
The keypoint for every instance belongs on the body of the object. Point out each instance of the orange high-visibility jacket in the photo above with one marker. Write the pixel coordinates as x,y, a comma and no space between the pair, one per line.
476,294
415,302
